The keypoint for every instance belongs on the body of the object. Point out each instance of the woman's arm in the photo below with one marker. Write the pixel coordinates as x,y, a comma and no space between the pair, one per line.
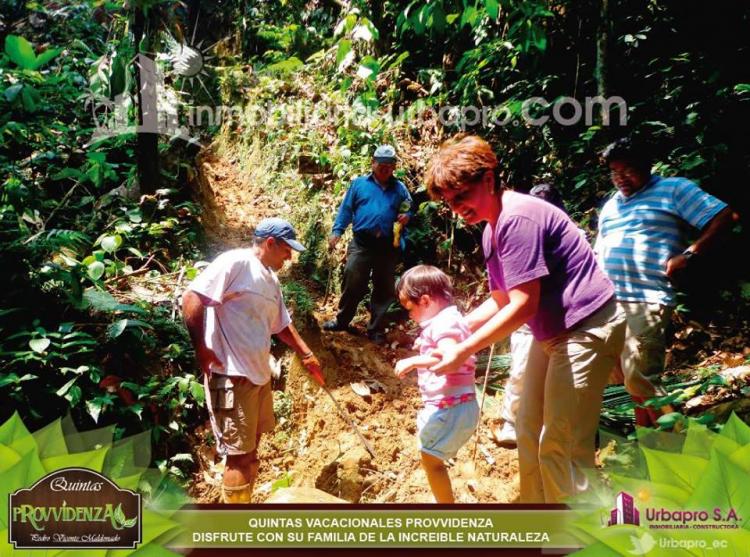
522,305
482,313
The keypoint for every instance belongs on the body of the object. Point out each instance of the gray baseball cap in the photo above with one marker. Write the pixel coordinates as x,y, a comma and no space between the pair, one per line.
280,229
385,153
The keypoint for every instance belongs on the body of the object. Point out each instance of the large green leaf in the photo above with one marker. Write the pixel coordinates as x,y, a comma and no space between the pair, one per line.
111,243
741,457
11,93
679,470
700,440
118,327
30,98
736,430
344,54
723,485
39,345
100,300
89,459
65,388
46,57
129,456
50,440
493,8
82,441
20,51
13,429
23,473
8,458
95,270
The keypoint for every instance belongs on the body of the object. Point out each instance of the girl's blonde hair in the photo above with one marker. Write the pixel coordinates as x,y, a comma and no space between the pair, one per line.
425,279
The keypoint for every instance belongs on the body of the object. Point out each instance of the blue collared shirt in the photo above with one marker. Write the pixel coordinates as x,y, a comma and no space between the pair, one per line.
638,234
369,208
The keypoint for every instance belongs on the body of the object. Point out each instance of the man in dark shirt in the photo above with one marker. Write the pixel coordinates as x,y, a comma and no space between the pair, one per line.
372,204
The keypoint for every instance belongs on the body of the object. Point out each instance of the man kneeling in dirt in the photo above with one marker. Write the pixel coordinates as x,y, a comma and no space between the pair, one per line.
231,310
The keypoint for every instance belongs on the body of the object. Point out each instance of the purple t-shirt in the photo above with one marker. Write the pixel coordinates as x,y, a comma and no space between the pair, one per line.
533,239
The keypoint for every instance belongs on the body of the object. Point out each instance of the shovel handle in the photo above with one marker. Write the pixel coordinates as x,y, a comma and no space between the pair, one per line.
351,423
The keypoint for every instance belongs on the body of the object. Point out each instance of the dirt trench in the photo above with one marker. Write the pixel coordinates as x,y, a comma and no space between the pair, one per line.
312,446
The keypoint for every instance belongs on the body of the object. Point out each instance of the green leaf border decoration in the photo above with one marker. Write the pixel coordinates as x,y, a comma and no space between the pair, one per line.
700,470
26,457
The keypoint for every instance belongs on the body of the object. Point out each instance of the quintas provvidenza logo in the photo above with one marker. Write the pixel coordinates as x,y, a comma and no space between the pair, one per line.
74,508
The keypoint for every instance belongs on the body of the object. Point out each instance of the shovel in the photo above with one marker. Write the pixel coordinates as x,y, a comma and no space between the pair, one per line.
350,422
319,379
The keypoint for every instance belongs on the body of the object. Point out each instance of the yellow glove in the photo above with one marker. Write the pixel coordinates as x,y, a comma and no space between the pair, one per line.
397,226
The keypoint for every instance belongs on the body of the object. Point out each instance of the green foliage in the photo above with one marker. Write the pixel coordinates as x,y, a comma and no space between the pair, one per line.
74,232
21,53
298,300
282,408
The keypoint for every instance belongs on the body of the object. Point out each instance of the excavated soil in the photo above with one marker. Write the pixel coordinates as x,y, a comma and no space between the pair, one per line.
312,446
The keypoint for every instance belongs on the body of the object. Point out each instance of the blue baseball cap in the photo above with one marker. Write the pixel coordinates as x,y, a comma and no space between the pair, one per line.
280,229
385,153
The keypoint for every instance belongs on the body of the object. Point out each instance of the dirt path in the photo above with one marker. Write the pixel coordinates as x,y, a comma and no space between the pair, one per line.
312,446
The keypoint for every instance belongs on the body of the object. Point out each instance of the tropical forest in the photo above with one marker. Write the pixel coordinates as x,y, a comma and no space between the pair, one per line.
168,166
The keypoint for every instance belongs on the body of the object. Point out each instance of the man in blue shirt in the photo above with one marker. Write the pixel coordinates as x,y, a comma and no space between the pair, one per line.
643,247
372,204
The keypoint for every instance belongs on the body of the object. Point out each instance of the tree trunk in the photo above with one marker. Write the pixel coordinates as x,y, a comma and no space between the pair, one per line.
147,139
602,40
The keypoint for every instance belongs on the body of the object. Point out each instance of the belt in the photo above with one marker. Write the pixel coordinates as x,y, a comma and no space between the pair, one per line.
455,400
368,239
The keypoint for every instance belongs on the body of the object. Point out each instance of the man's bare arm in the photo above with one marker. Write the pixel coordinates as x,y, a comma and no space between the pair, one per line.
194,314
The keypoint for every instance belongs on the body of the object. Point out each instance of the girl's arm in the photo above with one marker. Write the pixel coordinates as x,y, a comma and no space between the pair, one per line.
406,365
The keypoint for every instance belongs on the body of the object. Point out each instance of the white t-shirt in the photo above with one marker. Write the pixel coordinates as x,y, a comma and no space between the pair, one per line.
244,308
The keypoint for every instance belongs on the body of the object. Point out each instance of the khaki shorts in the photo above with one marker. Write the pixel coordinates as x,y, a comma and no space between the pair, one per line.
240,411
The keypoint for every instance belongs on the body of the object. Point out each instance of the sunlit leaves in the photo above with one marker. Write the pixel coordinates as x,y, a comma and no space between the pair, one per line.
344,54
95,270
39,345
111,243
21,52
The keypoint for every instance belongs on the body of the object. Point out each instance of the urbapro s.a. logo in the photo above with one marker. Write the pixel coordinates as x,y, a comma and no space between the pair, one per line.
74,508
626,512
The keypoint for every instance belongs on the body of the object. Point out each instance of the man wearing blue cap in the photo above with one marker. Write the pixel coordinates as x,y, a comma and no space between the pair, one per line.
231,310
372,204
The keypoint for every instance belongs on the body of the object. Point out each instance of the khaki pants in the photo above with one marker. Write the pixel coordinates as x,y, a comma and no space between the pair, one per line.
645,344
559,411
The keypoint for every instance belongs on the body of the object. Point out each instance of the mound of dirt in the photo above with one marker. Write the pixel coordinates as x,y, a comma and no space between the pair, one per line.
314,447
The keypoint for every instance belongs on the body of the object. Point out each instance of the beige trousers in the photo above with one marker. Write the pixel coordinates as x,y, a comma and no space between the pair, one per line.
559,410
520,344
